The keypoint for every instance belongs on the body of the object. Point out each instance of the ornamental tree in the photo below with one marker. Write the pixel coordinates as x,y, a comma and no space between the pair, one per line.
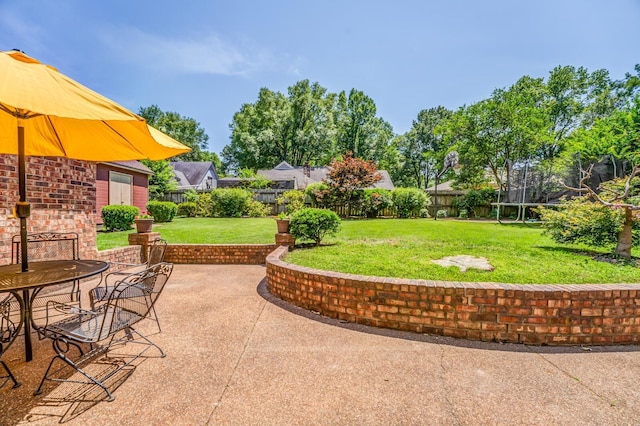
617,136
347,177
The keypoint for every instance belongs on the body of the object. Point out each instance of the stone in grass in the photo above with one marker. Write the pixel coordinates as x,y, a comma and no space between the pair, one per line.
465,262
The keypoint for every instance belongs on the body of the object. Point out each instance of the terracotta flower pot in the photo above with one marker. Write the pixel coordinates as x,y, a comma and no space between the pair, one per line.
283,226
144,225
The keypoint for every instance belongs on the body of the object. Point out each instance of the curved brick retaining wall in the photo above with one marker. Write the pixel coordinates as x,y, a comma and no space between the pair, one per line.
534,314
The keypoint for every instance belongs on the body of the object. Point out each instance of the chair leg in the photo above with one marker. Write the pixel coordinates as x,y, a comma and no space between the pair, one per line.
16,384
61,355
147,340
79,370
155,318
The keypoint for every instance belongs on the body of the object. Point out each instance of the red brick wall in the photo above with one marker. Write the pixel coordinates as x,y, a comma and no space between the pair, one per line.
129,254
62,196
248,254
534,314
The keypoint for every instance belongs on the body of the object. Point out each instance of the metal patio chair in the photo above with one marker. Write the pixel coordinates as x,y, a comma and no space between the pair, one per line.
10,322
100,293
108,325
49,246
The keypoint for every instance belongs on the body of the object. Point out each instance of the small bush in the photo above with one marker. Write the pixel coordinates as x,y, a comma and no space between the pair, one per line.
320,194
473,199
235,202
162,211
119,218
376,200
409,201
293,200
442,214
256,209
582,221
204,205
191,195
314,224
188,209
229,202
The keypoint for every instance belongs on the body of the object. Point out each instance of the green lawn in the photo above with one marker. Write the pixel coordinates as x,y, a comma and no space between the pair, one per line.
405,248
202,231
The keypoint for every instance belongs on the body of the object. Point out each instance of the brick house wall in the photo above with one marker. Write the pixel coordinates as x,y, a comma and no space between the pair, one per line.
140,195
62,194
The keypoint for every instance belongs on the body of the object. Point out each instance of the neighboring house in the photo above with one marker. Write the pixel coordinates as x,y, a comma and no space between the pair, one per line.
122,183
288,177
198,175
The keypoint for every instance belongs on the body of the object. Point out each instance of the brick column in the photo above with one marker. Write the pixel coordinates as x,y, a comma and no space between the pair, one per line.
285,239
144,239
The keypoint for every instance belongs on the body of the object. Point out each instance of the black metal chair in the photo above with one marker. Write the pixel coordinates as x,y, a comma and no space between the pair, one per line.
100,293
10,324
110,324
49,246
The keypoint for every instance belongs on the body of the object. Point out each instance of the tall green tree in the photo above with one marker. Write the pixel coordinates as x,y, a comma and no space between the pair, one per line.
297,128
308,125
423,147
161,181
358,128
183,129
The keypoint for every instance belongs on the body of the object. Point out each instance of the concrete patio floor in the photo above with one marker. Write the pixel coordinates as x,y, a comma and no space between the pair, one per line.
235,355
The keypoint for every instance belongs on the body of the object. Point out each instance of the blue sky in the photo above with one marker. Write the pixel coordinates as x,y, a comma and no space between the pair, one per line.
204,59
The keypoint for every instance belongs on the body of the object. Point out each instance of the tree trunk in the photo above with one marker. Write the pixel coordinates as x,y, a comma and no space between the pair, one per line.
624,237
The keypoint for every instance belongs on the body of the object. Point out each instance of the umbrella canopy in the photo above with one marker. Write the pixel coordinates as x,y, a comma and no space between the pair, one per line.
62,118
45,113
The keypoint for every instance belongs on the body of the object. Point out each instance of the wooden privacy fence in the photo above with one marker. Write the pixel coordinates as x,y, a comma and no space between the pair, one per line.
269,196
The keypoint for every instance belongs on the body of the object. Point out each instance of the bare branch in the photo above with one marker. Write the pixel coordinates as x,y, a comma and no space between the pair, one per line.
584,188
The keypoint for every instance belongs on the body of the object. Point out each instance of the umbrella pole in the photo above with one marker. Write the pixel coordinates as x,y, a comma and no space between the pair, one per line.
22,207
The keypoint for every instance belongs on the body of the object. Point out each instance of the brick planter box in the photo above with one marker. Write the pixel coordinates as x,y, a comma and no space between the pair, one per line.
567,314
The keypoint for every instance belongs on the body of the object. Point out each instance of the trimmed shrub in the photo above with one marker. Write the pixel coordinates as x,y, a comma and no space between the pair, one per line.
409,201
235,202
314,224
162,211
375,200
188,209
119,218
229,202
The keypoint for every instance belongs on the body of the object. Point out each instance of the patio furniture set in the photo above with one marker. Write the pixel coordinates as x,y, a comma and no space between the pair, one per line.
47,299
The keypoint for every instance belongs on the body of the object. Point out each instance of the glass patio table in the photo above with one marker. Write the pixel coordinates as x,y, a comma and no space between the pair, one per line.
42,274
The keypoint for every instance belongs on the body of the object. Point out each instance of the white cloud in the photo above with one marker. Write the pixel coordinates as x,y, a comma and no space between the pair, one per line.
205,55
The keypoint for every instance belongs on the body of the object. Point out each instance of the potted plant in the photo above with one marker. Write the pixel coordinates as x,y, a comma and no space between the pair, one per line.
144,223
282,221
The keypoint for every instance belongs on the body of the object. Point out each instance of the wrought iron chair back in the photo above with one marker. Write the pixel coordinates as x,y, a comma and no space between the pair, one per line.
10,323
101,292
49,246
131,300
156,252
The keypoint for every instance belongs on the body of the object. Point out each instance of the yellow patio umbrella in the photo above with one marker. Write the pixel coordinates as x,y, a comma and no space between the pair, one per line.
45,113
